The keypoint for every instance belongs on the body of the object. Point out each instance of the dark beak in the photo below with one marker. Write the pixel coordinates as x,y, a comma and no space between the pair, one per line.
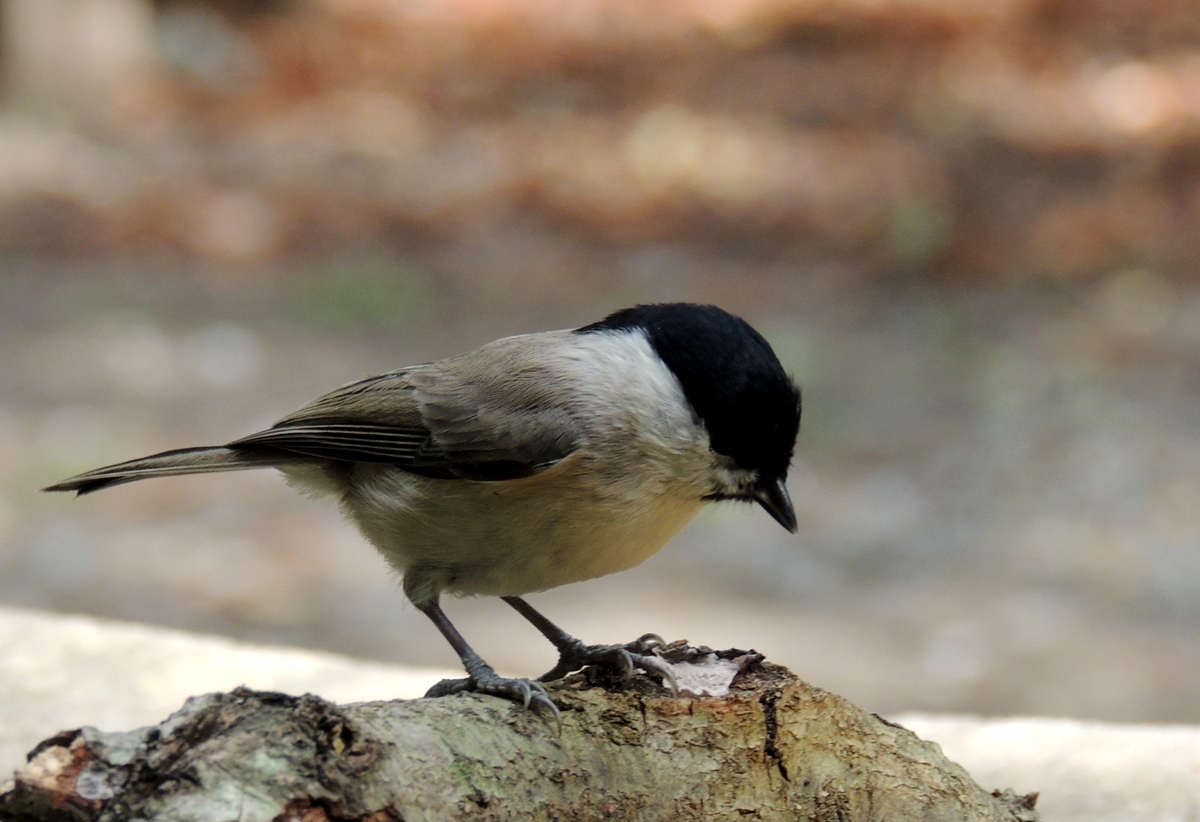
773,496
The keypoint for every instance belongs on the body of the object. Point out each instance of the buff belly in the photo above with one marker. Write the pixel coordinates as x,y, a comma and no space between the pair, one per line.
510,538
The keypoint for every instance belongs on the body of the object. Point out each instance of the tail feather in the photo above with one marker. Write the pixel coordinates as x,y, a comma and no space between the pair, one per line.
204,460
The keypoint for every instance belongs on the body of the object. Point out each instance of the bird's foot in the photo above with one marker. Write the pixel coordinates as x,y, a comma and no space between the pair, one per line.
574,655
528,692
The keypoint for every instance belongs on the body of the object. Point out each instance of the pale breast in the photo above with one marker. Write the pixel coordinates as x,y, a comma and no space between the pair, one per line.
514,537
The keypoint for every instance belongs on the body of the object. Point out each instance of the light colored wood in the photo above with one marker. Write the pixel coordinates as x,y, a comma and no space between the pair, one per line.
772,748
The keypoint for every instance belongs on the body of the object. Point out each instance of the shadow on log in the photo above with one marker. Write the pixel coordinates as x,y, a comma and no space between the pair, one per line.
772,747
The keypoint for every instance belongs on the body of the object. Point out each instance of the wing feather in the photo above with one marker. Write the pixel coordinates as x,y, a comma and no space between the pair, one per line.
432,421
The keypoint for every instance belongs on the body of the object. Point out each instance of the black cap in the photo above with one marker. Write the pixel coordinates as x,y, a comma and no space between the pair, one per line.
730,376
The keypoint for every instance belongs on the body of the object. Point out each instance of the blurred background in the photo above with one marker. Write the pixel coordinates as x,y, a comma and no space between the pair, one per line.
968,228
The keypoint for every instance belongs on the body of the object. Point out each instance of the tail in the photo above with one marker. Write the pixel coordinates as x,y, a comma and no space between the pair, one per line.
205,460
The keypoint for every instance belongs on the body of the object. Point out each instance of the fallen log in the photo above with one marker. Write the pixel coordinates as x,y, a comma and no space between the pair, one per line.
760,745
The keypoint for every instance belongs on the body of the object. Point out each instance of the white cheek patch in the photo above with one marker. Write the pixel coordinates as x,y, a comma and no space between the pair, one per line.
626,392
735,482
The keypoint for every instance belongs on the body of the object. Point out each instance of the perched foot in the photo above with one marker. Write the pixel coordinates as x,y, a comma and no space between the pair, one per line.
480,676
574,655
484,680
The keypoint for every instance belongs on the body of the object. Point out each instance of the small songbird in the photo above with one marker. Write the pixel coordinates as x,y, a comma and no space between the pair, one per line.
534,461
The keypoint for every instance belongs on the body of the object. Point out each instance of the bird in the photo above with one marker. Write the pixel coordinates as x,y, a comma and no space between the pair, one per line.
534,461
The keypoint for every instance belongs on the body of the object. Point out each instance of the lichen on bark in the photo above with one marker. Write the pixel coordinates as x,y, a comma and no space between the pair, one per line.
772,748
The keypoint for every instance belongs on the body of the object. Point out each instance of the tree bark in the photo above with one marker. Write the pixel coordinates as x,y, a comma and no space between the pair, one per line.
771,748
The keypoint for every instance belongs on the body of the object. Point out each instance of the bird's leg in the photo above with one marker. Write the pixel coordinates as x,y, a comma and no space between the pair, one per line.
573,654
480,676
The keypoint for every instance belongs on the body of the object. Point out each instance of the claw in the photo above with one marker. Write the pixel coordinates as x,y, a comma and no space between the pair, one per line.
518,690
646,643
624,661
654,665
540,700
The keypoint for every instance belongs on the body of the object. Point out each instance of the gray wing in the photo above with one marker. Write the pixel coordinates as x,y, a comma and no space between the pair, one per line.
430,422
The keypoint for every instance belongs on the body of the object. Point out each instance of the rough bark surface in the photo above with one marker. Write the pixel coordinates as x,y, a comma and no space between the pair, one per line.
772,748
